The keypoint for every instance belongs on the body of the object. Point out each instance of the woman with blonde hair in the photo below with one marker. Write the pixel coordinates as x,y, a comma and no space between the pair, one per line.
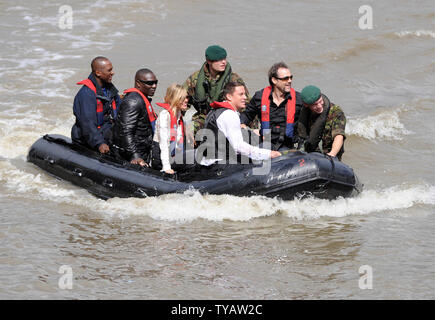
169,135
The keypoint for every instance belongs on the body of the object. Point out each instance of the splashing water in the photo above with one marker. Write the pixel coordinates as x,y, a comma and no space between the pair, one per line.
418,33
192,205
385,126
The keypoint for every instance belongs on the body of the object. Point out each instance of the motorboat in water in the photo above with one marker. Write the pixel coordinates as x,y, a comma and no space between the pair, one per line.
294,174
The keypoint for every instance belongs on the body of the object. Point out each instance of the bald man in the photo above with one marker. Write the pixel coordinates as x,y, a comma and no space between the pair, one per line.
95,107
134,127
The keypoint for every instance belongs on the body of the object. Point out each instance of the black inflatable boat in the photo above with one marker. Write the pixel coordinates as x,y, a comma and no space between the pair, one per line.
296,174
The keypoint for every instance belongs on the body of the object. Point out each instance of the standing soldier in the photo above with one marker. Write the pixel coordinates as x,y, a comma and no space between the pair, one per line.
206,85
321,123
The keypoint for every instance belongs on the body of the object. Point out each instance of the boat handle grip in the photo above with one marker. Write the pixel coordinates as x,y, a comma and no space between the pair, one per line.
50,160
78,172
108,183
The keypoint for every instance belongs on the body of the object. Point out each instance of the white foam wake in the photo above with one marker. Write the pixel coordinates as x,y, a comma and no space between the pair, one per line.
192,205
18,134
418,33
385,125
368,202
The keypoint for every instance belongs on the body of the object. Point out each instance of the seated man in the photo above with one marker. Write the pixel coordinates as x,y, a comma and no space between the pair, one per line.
321,122
277,106
134,127
224,121
95,107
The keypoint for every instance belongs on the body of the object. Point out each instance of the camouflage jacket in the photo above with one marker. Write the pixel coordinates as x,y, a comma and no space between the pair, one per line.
335,125
190,83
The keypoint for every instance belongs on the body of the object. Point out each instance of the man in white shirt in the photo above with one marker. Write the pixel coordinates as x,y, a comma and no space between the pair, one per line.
224,121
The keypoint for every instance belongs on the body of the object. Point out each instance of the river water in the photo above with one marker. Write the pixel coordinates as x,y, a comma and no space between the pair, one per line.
379,245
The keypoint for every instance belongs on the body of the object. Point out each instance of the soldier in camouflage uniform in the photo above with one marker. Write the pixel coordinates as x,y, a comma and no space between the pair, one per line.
322,124
205,85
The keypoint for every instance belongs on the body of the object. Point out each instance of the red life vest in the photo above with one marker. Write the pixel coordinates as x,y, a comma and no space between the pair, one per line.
290,111
100,107
174,128
225,104
150,111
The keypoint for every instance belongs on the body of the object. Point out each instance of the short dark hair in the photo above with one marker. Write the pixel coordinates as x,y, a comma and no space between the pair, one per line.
142,72
229,88
273,71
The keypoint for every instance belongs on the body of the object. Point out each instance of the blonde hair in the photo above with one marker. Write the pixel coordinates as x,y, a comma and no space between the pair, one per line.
175,96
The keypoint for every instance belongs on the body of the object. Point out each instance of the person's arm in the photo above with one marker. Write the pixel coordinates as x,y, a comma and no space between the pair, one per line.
252,109
336,145
128,115
298,108
86,114
338,127
229,124
164,139
118,100
190,85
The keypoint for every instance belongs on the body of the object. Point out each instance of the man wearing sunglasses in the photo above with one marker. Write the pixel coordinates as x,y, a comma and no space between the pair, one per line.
321,123
206,85
95,107
134,126
278,107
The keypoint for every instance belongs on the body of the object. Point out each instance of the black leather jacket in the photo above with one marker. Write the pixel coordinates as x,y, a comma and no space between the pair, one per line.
132,131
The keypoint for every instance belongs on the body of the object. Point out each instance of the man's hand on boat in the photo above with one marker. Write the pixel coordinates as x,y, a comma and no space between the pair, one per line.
274,154
103,148
170,171
140,162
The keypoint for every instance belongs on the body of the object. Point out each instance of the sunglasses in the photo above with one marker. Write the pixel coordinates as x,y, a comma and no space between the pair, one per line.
149,83
285,78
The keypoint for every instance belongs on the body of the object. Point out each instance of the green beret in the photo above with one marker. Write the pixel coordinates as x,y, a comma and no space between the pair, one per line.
310,94
215,53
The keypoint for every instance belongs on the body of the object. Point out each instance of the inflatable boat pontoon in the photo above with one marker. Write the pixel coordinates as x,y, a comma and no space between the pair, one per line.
295,174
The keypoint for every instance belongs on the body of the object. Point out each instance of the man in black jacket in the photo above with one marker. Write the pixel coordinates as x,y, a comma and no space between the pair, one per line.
134,126
277,106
